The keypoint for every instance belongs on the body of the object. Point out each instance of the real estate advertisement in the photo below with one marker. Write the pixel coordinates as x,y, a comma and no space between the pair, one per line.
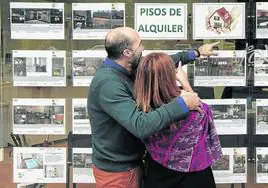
82,165
39,68
38,116
232,167
39,165
262,20
218,20
37,20
261,116
228,68
260,68
230,115
94,20
261,165
85,64
81,124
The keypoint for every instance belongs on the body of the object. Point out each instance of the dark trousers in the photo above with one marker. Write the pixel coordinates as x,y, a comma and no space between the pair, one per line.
157,176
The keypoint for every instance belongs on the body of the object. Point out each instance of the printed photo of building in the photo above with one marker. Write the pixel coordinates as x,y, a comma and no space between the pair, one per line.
232,111
85,66
101,19
262,163
220,66
262,19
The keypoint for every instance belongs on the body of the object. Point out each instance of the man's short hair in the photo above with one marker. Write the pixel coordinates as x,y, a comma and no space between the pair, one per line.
116,47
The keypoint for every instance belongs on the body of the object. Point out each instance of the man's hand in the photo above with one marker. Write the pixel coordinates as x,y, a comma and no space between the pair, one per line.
192,101
207,49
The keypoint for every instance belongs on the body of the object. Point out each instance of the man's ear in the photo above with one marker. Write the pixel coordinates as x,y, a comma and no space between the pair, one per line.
127,53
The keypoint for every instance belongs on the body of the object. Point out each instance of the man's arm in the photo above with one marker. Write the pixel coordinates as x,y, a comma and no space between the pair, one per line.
185,57
188,56
119,104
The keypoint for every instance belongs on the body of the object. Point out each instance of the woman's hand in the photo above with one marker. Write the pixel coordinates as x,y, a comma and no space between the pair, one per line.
182,77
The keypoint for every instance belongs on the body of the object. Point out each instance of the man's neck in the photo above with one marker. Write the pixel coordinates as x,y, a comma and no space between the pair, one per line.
123,64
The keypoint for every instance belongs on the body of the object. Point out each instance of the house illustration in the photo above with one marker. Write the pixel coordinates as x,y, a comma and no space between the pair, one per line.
221,18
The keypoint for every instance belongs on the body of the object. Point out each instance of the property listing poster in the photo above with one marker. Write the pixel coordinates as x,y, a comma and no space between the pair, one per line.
94,20
260,68
161,20
38,116
261,116
39,165
232,167
261,165
261,20
81,123
218,20
228,68
37,20
85,64
82,165
230,115
39,68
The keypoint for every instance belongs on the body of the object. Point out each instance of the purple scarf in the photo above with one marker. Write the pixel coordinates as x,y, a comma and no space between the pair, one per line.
189,145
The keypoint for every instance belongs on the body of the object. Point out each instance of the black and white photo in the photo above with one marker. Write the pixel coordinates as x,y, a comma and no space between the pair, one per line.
17,15
94,20
99,19
222,164
86,66
261,67
261,116
80,111
20,66
37,64
239,165
228,112
261,164
54,171
82,160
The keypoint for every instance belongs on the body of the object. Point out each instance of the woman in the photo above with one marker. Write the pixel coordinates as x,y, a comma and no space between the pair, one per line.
179,156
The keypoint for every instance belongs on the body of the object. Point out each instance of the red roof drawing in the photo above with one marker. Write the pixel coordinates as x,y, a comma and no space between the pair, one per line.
224,14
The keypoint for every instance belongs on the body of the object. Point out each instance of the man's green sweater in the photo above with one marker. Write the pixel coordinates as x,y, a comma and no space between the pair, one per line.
117,124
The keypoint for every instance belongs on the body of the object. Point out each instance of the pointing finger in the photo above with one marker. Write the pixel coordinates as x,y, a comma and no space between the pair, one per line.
215,43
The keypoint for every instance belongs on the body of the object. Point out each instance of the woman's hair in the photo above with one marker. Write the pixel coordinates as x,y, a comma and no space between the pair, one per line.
155,82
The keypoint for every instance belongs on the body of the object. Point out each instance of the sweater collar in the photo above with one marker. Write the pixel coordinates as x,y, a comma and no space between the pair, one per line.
111,63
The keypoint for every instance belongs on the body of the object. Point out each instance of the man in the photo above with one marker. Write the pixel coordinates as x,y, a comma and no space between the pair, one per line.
118,126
